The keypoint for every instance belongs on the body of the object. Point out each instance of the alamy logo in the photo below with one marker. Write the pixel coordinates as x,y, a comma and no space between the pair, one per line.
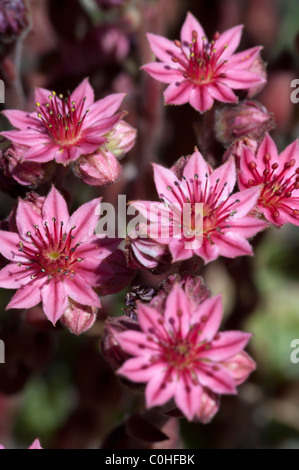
2,92
295,354
2,352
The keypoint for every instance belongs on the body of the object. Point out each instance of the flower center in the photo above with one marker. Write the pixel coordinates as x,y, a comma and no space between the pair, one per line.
200,210
277,186
200,64
50,252
62,119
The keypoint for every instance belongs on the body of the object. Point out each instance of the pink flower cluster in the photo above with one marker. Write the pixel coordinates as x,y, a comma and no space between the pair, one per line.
169,343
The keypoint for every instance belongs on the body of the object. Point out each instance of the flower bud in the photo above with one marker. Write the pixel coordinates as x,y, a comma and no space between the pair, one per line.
98,169
13,19
146,253
236,148
209,406
121,139
78,318
247,119
24,173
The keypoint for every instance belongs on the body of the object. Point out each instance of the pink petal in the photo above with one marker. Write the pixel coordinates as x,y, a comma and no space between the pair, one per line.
232,245
81,292
97,248
151,321
54,299
208,251
179,251
188,397
165,181
241,79
139,369
41,95
105,107
159,390
218,381
85,219
99,128
41,153
226,345
55,206
230,38
209,314
291,152
222,93
267,147
27,296
248,227
35,445
68,154
136,343
200,98
191,24
226,177
178,92
14,276
9,244
26,138
244,201
244,59
21,119
163,72
240,366
177,312
83,92
162,47
197,165
26,218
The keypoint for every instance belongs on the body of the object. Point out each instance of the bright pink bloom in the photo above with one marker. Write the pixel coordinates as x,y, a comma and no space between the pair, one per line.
54,256
180,354
64,128
278,178
199,71
218,223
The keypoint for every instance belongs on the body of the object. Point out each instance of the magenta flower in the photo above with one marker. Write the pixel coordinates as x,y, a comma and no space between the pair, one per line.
199,71
64,128
54,257
180,355
278,178
218,222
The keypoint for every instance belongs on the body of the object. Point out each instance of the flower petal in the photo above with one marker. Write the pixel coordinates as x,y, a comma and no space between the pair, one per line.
178,92
200,98
27,296
162,47
163,72
188,397
224,177
177,312
54,299
191,24
85,92
9,244
159,390
209,314
218,380
232,245
228,344
85,219
81,292
228,41
55,206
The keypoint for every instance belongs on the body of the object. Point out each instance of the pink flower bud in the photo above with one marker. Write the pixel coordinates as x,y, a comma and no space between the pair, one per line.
24,173
13,19
121,139
208,407
146,253
98,169
78,318
248,119
240,366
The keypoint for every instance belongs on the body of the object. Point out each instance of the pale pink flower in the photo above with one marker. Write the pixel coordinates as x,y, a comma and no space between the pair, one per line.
278,178
180,355
199,71
54,256
218,222
64,128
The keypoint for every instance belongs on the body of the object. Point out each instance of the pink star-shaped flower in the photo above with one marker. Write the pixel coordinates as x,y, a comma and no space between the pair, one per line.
218,225
64,127
180,355
199,71
278,178
54,257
